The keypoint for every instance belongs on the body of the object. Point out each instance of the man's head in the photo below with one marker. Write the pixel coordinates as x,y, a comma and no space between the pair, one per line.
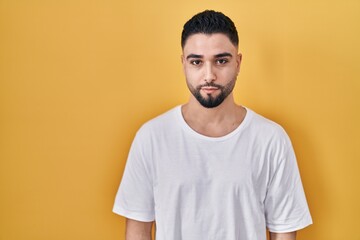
211,61
210,22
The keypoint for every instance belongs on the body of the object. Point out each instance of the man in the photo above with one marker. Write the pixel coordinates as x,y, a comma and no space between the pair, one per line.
211,169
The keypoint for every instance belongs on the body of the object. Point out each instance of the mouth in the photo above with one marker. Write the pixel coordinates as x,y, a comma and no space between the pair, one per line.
209,90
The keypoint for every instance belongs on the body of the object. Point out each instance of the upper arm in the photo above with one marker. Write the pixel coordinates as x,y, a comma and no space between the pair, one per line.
285,203
135,197
137,230
283,236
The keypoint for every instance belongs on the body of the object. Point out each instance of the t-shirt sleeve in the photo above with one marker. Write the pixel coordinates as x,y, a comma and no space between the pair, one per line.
286,209
135,199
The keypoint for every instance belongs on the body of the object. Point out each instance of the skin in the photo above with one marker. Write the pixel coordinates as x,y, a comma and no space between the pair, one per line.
207,67
283,236
207,59
136,230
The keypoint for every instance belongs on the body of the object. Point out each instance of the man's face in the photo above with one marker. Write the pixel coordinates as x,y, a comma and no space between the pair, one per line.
211,64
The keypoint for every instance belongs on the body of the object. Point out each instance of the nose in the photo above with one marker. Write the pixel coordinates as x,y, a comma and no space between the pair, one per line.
210,75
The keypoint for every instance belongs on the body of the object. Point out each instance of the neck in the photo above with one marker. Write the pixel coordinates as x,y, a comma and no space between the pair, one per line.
213,122
195,110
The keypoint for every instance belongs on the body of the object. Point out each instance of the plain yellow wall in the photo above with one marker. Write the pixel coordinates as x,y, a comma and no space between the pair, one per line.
78,78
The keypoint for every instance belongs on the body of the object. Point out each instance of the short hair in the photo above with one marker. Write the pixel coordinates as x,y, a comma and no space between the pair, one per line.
209,22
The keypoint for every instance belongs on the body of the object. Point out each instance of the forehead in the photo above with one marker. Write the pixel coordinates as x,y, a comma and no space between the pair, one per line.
208,44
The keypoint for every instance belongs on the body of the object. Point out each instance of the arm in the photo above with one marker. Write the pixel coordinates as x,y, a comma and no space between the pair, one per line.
283,236
136,230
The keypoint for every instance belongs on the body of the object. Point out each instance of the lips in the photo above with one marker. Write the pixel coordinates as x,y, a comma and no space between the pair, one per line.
209,90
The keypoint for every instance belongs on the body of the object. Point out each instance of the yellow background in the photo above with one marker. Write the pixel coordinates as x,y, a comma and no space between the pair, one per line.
78,78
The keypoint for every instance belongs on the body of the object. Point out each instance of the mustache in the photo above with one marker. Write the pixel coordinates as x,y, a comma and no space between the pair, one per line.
211,84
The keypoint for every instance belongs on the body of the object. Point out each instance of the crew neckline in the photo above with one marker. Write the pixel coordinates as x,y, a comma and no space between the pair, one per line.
191,131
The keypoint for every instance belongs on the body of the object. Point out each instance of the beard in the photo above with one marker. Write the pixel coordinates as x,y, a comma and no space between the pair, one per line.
212,101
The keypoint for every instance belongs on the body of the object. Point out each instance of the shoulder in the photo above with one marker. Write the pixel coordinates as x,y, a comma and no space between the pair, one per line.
272,138
264,127
162,123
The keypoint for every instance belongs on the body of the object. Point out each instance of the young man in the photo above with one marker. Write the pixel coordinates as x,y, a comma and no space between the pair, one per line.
211,169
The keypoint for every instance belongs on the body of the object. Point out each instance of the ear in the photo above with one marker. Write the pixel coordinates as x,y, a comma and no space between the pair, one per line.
183,62
238,61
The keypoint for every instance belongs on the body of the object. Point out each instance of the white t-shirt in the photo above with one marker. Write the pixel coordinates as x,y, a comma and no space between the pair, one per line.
213,188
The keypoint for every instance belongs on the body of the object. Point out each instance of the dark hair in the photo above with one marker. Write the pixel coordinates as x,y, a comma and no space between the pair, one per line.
209,22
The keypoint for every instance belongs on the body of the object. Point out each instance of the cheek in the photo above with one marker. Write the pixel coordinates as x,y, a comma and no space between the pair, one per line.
192,74
227,75
232,72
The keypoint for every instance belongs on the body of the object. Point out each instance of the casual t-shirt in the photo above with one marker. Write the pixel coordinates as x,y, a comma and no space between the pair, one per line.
215,188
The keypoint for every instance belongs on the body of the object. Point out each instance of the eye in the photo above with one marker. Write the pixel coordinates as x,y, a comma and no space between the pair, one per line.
222,61
195,62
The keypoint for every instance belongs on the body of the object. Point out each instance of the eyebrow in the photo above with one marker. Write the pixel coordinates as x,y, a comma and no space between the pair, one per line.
224,54
193,56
